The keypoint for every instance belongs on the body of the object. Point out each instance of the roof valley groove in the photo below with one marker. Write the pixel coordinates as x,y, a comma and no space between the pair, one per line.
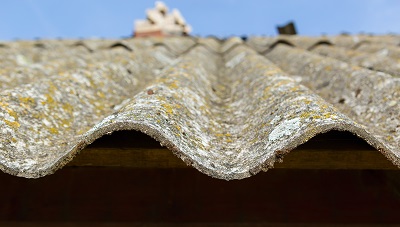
218,105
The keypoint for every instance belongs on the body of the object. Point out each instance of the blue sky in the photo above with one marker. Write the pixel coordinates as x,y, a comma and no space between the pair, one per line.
29,19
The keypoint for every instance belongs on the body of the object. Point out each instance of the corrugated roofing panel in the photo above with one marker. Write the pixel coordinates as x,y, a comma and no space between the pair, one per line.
369,97
367,60
193,95
381,49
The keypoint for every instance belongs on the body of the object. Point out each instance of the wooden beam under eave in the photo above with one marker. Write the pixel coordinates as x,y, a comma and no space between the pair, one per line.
335,159
128,157
300,158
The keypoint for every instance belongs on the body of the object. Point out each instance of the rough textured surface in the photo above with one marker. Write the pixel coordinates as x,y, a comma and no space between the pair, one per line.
195,96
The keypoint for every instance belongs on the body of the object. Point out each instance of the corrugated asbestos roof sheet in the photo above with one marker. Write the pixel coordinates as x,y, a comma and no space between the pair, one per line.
228,108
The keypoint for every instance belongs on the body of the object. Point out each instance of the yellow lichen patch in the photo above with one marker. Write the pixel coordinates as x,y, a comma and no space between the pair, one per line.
282,82
267,89
3,104
306,101
172,85
161,98
201,146
329,115
88,76
65,122
38,115
254,140
26,100
267,94
225,136
204,108
168,108
100,107
324,106
328,68
295,88
13,124
101,94
52,89
318,115
49,100
12,113
53,130
309,114
68,108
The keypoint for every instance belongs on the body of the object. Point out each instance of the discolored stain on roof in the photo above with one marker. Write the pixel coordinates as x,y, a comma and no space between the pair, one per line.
228,108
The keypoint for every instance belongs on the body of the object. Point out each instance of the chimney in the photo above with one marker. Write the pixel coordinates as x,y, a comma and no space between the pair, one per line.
159,22
287,29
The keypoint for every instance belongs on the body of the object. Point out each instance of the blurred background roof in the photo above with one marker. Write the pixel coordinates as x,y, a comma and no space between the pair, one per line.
28,19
